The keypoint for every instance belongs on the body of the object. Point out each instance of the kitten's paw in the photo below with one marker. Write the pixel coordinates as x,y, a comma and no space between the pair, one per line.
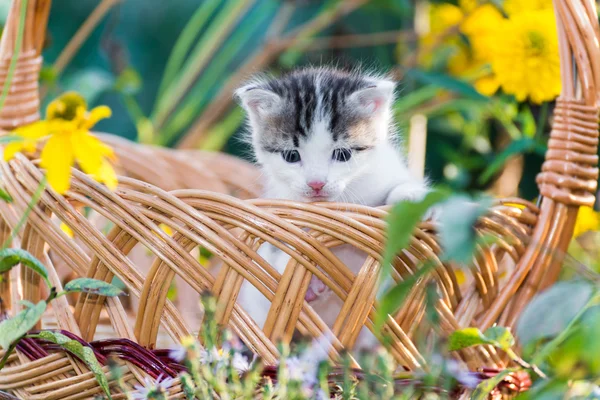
315,289
407,191
413,192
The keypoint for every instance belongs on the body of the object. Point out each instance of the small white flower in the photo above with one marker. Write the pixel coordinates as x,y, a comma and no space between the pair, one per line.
240,363
161,386
178,353
296,368
306,367
212,356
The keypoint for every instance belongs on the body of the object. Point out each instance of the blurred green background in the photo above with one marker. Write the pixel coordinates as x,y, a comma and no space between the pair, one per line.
127,62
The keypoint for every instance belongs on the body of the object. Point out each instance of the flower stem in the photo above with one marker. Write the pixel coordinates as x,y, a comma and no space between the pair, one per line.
32,203
542,119
15,56
10,349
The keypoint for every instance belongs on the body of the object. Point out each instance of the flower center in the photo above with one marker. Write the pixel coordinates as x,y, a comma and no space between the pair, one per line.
535,43
66,106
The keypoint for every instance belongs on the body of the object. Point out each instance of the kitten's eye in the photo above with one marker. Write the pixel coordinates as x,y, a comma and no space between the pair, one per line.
342,155
291,156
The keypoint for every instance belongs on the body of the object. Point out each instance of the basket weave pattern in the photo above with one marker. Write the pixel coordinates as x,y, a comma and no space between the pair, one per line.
209,200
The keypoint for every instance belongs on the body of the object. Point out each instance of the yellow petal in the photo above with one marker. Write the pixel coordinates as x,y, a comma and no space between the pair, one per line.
65,228
11,149
487,85
106,174
57,158
87,152
95,115
36,130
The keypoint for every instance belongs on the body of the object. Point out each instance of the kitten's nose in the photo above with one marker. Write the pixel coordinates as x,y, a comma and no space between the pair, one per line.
316,185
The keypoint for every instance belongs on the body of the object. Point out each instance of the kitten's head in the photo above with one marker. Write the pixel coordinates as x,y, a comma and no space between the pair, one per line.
314,131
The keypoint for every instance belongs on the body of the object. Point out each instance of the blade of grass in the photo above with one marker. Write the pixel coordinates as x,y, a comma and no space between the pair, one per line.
13,60
304,38
218,30
258,61
185,41
542,120
215,73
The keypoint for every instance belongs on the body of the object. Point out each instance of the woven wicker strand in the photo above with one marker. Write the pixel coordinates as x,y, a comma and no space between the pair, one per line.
213,204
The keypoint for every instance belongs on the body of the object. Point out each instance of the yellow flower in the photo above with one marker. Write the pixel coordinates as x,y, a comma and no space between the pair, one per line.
188,341
513,7
461,278
166,229
441,18
525,56
66,229
481,27
69,141
588,219
444,16
478,23
468,5
488,85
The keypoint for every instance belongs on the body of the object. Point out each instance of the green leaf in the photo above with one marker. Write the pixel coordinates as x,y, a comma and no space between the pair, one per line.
95,286
482,390
13,328
5,196
402,220
26,303
393,299
84,353
500,337
457,220
528,125
205,253
496,336
11,257
463,338
519,146
413,99
446,82
551,311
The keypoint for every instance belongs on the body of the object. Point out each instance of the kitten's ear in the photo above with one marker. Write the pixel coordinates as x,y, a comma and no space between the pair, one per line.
258,102
374,99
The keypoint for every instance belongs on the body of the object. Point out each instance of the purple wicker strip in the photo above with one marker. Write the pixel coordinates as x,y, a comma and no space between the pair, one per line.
158,362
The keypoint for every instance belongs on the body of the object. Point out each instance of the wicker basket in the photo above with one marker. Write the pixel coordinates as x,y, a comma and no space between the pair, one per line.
206,207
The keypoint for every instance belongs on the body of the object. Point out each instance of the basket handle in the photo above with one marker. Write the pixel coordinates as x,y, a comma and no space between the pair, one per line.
22,103
570,171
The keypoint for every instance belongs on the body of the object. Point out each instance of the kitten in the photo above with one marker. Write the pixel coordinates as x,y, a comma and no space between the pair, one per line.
325,135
